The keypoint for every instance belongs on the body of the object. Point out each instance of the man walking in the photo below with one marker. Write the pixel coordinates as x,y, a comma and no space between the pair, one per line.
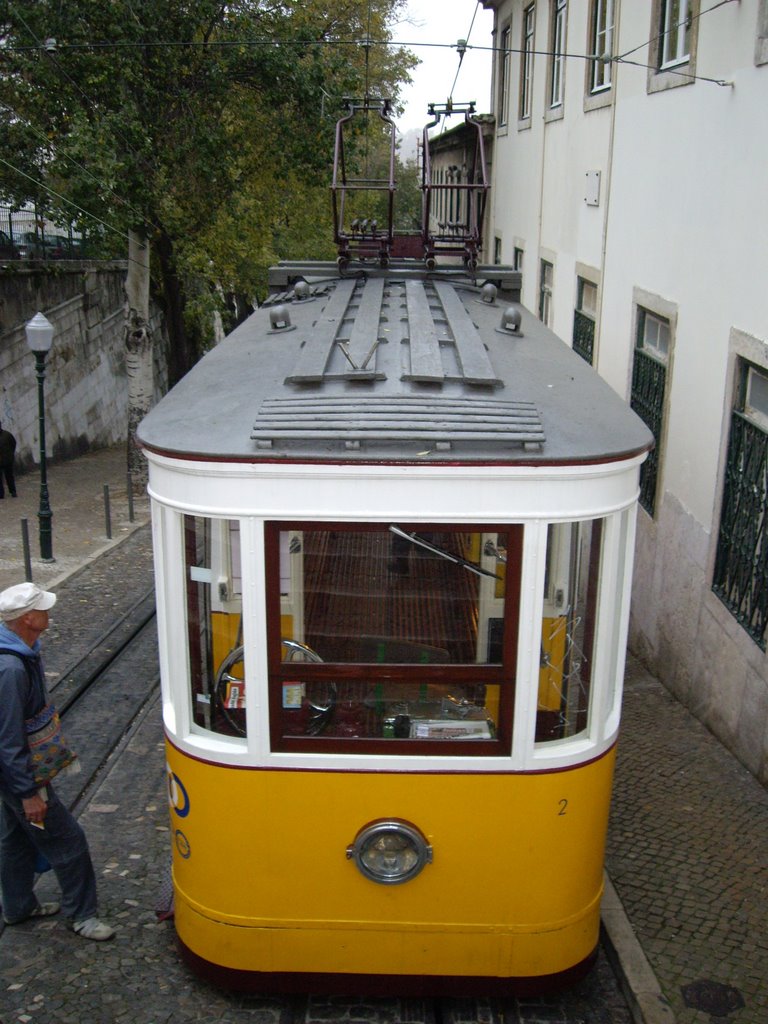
7,453
32,818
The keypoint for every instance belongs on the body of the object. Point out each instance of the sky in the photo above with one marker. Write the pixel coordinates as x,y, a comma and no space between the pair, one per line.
445,21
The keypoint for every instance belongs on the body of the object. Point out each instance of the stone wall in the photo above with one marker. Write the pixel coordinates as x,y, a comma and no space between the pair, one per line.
86,391
696,647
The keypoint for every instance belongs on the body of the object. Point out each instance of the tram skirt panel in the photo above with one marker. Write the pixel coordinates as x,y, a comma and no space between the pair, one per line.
263,882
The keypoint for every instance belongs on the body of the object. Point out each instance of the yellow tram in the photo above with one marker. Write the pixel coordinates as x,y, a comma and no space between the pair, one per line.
393,521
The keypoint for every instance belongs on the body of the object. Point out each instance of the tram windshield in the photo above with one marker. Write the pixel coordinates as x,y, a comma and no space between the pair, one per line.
380,633
391,632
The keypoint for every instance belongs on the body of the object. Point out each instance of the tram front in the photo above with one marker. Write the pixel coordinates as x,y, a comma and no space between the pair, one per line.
393,614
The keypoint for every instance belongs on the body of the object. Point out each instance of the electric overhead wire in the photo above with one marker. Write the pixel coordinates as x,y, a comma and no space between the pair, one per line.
654,39
463,50
64,199
94,178
461,46
368,42
50,54
415,44
141,216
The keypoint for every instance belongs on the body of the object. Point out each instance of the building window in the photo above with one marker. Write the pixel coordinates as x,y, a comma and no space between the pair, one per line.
761,42
740,577
497,250
601,45
584,318
517,258
649,381
675,33
557,48
526,62
504,60
545,292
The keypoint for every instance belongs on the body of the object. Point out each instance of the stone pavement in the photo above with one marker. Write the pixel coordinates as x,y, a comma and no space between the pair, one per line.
686,906
76,497
688,857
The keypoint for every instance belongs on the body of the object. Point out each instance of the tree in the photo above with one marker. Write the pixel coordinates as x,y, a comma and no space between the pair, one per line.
203,127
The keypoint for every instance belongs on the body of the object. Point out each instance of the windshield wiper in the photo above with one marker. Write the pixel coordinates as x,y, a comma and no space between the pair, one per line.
456,559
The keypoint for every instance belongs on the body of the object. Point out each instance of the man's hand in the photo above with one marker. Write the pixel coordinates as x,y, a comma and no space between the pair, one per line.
35,808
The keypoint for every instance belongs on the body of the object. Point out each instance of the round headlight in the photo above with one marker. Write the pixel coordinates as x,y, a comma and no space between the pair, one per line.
390,851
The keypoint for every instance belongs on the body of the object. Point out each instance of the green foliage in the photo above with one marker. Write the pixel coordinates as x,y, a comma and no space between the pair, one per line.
207,126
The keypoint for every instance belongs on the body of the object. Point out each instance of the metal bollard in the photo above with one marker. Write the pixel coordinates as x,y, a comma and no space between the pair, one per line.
25,546
107,517
130,498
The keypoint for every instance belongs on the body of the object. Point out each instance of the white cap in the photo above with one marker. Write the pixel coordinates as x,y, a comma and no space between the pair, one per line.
24,597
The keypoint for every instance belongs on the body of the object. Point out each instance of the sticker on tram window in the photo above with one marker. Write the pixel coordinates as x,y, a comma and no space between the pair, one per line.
234,697
293,695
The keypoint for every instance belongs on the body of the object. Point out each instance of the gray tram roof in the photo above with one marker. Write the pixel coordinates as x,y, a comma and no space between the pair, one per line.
391,365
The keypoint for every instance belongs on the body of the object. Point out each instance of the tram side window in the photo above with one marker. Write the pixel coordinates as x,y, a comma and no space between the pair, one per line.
568,629
392,632
213,581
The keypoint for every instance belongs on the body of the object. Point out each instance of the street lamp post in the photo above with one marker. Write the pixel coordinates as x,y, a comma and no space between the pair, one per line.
40,338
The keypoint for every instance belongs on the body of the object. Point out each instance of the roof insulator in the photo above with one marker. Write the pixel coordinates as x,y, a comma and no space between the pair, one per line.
511,320
488,292
280,319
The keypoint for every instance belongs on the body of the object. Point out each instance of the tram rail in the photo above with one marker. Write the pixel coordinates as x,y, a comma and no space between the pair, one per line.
104,650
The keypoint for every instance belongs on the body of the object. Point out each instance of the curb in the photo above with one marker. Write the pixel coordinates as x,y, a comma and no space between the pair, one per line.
647,1003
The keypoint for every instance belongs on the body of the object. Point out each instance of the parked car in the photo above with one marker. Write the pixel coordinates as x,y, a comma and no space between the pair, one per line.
30,246
59,247
8,251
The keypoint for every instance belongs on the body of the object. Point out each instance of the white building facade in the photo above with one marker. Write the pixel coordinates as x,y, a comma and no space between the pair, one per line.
631,187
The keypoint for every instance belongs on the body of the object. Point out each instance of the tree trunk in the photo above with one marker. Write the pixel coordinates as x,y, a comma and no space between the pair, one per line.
139,362
183,354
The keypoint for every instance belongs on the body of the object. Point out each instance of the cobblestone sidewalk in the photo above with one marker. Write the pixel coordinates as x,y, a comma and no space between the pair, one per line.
688,856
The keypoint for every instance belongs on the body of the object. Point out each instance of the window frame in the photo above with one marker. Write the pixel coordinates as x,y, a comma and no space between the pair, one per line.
761,35
504,65
740,545
546,290
557,47
669,33
664,73
647,360
518,257
527,40
602,26
581,314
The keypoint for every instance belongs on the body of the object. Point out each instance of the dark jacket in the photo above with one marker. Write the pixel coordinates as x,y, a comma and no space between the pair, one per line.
22,695
7,447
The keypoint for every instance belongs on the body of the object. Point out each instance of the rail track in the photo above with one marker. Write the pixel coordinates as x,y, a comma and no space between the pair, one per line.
100,695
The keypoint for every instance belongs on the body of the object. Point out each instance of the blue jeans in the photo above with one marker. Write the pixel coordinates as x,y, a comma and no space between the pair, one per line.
62,842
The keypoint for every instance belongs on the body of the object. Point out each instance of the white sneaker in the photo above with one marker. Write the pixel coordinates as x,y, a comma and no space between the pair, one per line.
93,928
41,910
